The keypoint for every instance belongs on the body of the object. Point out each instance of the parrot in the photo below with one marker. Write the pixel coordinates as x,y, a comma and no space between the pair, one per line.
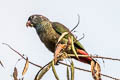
49,33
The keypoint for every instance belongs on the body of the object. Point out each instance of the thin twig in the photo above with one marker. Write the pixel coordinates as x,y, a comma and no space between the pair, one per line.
96,57
21,55
89,71
77,23
81,37
63,63
45,66
106,58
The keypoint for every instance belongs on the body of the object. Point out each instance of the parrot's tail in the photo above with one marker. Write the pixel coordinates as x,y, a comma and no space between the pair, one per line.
84,59
95,67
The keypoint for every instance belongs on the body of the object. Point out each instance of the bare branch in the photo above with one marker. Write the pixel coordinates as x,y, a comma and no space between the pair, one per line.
95,57
77,23
89,71
21,55
67,64
106,58
81,37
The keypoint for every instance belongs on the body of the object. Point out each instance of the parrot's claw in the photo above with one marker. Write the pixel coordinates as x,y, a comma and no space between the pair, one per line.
58,51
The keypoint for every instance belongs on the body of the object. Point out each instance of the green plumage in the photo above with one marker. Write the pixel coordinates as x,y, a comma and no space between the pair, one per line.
60,28
49,32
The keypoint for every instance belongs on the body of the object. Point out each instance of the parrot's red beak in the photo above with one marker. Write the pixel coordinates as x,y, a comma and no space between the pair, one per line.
29,24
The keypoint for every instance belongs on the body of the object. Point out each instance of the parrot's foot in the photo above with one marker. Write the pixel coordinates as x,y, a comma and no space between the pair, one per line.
58,50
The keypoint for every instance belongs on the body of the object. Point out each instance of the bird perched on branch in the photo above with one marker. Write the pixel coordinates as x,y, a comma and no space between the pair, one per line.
49,33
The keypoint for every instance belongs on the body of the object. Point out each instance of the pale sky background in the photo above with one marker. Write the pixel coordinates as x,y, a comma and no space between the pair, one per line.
99,20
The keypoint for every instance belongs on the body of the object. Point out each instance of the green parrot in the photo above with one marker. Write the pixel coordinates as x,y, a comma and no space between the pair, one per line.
49,33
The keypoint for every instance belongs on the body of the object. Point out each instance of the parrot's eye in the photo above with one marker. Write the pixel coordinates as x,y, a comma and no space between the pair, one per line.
35,19
30,18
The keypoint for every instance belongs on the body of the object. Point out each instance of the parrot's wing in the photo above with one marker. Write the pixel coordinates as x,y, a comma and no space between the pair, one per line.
60,28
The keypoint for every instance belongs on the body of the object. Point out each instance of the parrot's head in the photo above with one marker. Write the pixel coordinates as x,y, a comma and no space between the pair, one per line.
35,20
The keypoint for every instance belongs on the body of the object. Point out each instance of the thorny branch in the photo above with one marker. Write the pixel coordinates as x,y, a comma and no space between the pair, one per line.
67,64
